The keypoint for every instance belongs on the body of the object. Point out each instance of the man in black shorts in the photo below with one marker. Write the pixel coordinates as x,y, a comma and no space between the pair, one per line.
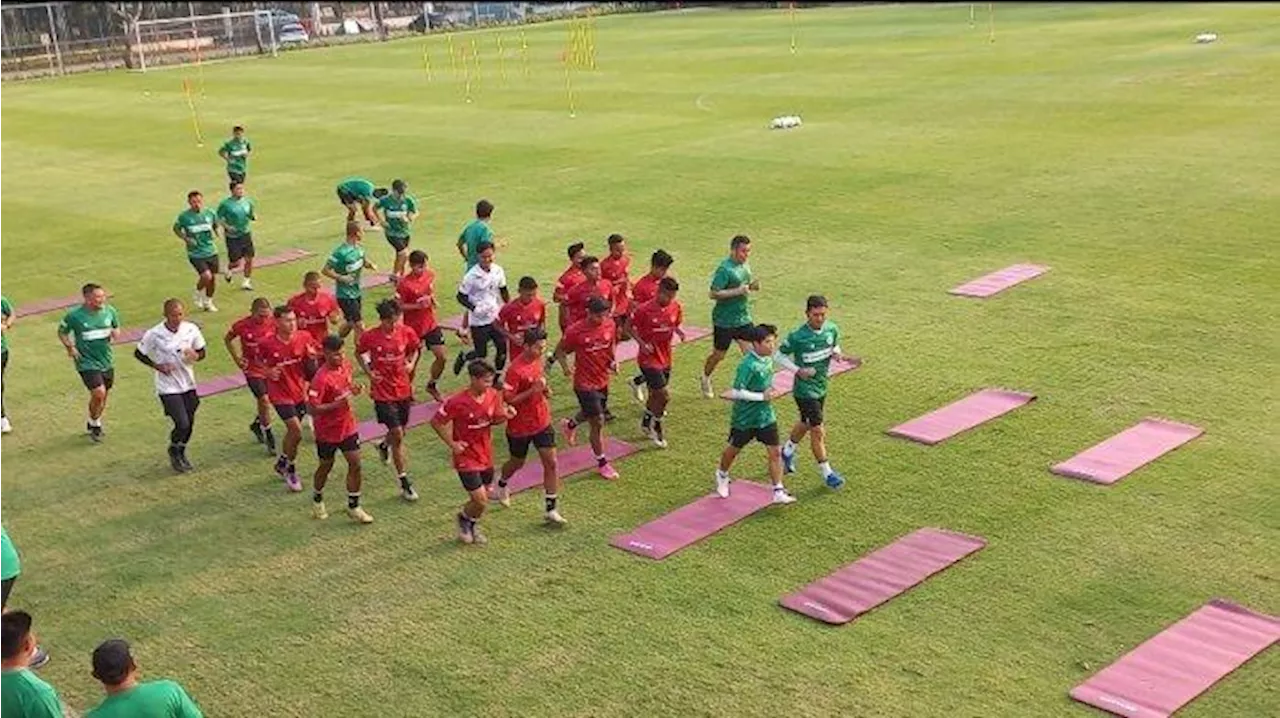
753,418
385,354
731,316
87,332
329,400
235,215
525,389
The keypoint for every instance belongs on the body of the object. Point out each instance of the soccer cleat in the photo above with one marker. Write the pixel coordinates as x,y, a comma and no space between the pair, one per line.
408,493
359,515
384,452
459,362
291,480
707,391
788,461
640,392
282,466
209,306
780,496
175,462
228,275
504,496
434,392
465,532
478,538
554,517
38,660
197,298
607,471
570,433
608,416
256,429
95,433
655,435
186,463
5,428
834,480
270,439
722,486
247,285
318,511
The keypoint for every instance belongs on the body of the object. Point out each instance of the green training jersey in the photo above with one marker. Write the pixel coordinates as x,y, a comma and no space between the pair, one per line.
153,699
10,564
755,373
23,694
473,234
397,210
732,312
357,187
92,333
235,215
7,310
237,152
812,349
348,260
197,228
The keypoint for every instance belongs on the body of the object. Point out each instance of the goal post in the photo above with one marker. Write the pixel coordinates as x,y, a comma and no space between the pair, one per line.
197,39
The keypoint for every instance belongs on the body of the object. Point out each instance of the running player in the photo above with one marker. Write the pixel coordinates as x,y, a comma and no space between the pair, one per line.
616,269
483,292
170,348
344,267
526,390
570,278
472,412
252,331
592,285
528,311
197,227
475,234
329,399
235,152
654,324
731,317
592,343
234,214
398,211
359,192
316,310
386,353
289,357
6,323
812,345
87,332
417,295
643,291
753,417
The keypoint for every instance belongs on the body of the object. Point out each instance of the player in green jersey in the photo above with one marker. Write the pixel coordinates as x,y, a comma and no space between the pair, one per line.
344,267
397,211
6,323
235,152
23,694
731,316
127,696
234,214
359,192
753,417
87,332
812,346
476,232
197,227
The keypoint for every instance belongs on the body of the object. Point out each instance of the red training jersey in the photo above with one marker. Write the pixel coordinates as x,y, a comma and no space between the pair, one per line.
515,318
617,270
655,325
415,289
644,290
581,293
387,354
533,415
569,279
313,313
592,347
290,357
471,418
252,332
327,386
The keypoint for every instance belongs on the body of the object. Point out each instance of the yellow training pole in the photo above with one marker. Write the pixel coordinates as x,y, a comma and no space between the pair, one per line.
792,13
475,57
426,61
502,58
195,117
991,15
568,87
466,68
453,60
972,22
524,52
591,37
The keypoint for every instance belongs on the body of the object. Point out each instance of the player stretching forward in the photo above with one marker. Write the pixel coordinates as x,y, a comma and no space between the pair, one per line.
528,311
87,332
753,416
644,291
386,354
731,317
197,227
472,412
483,292
616,269
654,323
235,152
344,267
569,279
329,398
252,331
476,233
526,390
398,212
170,348
813,345
316,310
234,214
359,192
417,295
289,358
592,343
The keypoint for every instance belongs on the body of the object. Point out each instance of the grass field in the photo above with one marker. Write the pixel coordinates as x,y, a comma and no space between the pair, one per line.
1096,139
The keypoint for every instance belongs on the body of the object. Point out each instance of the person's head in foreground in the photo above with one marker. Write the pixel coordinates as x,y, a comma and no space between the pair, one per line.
485,252
667,289
740,248
333,351
535,342
113,665
660,263
762,339
17,640
417,262
528,289
481,375
388,313
815,310
597,310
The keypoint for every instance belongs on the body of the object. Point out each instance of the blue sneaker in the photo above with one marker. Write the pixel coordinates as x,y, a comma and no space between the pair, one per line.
835,480
788,462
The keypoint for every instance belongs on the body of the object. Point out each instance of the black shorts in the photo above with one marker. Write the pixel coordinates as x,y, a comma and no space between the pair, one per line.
472,480
346,198
811,410
93,378
235,177
290,411
5,587
180,407
393,414
433,338
352,309
518,446
592,402
724,337
767,435
398,243
326,451
657,379
239,247
204,264
257,385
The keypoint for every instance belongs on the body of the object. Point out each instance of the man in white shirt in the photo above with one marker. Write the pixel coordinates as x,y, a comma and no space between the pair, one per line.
483,291
170,348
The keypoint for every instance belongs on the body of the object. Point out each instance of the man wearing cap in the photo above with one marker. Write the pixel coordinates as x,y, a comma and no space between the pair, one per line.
128,697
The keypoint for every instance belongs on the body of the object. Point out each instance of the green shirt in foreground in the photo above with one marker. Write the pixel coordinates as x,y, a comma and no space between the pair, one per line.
235,215
237,151
197,228
7,309
92,333
24,695
153,699
755,373
476,231
357,187
812,349
732,312
397,210
348,260
10,564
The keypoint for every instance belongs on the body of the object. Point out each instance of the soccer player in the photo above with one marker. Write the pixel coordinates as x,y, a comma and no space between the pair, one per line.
252,331
359,192
592,285
417,295
397,211
170,348
643,291
289,357
329,398
316,310
731,317
10,569
525,389
386,354
6,323
753,417
654,324
528,311
476,233
197,227
592,343
344,267
127,697
472,412
616,269
235,152
570,278
483,292
87,332
812,345
23,694
234,214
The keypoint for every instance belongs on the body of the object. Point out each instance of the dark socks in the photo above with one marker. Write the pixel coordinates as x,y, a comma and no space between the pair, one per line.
647,420
551,502
353,500
317,497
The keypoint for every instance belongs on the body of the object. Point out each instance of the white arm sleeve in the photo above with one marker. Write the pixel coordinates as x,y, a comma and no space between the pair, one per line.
784,361
744,395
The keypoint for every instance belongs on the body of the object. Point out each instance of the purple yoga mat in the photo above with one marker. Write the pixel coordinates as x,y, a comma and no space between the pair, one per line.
48,305
1126,452
961,416
1173,667
693,522
568,463
997,282
288,255
219,384
881,575
628,350
129,335
784,381
369,281
452,323
419,414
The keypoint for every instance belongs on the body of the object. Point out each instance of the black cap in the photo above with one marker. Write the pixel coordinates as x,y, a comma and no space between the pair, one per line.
112,661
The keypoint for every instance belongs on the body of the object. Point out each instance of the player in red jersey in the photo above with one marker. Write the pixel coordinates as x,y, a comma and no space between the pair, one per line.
643,291
251,331
316,310
472,412
592,342
616,269
387,353
289,359
417,294
329,398
654,324
525,389
528,311
592,285
570,278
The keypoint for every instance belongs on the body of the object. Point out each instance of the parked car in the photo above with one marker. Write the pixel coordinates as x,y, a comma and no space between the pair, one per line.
291,34
430,21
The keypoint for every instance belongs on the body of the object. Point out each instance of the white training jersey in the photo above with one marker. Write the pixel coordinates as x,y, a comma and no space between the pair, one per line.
482,290
162,346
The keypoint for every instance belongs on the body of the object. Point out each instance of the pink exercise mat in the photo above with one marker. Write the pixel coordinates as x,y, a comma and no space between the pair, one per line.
784,381
419,414
41,306
219,384
693,522
961,416
1126,452
997,282
629,350
568,462
288,255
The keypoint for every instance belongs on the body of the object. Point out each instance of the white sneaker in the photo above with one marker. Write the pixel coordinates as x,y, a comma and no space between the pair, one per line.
780,496
197,298
228,276
640,392
4,425
707,391
722,486
247,285
657,440
209,306
554,517
504,496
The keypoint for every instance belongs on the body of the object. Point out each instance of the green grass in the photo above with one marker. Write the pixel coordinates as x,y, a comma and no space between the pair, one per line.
1096,139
